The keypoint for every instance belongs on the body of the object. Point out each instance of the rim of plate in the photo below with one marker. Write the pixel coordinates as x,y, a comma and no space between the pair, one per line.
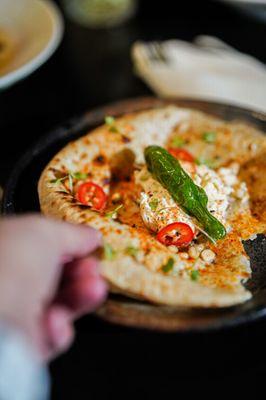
50,47
246,2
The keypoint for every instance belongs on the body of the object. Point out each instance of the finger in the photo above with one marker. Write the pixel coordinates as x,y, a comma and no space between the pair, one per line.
81,279
83,295
58,331
53,243
50,237
79,269
76,240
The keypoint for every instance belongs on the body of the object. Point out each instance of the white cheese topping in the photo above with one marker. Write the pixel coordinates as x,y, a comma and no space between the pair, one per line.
158,209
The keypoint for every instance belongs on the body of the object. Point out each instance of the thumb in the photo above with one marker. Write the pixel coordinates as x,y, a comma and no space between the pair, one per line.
74,241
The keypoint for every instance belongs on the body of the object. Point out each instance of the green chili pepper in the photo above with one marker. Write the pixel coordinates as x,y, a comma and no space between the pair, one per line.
192,198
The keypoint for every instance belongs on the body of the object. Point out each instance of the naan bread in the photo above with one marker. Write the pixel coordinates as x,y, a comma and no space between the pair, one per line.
140,275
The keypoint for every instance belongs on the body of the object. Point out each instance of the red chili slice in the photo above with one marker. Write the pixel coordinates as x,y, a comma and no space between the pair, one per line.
175,234
181,154
92,195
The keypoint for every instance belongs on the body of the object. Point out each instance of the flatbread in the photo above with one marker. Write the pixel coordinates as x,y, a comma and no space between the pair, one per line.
140,275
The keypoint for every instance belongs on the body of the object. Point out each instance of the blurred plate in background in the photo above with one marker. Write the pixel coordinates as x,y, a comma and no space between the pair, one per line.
255,8
30,31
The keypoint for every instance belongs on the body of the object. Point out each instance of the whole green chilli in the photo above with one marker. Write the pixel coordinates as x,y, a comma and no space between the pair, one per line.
192,198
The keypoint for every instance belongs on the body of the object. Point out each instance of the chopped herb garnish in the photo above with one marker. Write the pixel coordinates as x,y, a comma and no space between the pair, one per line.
109,120
144,177
204,161
70,181
177,142
79,175
169,265
209,137
109,252
200,160
194,275
154,204
58,180
70,175
131,251
113,213
113,129
63,191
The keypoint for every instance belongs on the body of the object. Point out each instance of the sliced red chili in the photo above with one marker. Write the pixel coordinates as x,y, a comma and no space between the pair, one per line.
181,154
91,194
175,234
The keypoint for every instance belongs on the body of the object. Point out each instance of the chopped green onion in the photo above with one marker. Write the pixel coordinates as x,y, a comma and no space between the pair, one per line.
194,275
154,204
177,142
109,252
209,137
131,251
109,120
169,265
113,213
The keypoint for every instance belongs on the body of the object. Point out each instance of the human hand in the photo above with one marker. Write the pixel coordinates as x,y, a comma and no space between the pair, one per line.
48,278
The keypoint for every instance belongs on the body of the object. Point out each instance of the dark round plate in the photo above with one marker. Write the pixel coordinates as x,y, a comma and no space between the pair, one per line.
21,196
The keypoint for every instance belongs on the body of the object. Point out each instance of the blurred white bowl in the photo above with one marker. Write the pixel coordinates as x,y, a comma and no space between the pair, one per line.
35,29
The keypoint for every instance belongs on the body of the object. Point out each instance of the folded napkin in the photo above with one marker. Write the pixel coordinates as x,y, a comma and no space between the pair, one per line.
205,69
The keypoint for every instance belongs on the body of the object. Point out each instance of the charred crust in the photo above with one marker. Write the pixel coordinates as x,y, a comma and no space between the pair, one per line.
125,139
86,140
99,160
106,181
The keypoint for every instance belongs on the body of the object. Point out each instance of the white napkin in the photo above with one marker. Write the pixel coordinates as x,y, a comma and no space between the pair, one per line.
206,69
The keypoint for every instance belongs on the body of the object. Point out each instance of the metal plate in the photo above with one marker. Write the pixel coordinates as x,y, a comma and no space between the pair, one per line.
21,196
